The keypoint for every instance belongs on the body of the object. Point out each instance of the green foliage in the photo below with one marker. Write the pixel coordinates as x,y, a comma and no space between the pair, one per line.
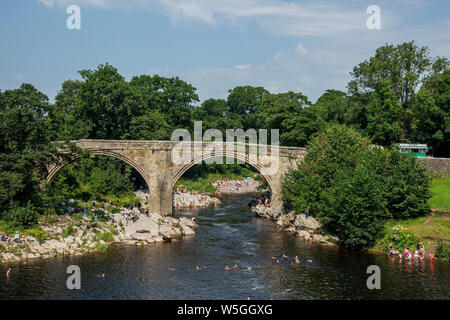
353,207
106,236
49,219
69,231
21,216
39,234
443,251
101,247
441,196
354,187
400,238
93,178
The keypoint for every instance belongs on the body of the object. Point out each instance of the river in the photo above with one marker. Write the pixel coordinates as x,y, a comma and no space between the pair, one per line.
226,236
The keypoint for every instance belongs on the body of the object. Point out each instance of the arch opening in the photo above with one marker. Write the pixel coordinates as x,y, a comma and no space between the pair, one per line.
200,177
101,175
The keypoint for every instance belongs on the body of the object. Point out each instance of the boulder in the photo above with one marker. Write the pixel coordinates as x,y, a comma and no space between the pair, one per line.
284,220
306,223
187,231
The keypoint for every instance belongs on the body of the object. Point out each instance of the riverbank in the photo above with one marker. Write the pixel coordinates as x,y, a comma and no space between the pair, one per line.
298,224
227,186
94,230
194,200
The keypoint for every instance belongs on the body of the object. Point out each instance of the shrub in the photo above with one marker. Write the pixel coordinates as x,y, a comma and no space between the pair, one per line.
39,234
354,208
101,247
69,231
407,186
443,251
50,219
106,236
354,187
400,238
22,216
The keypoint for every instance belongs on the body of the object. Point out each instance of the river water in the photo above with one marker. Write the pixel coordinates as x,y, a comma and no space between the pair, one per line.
226,236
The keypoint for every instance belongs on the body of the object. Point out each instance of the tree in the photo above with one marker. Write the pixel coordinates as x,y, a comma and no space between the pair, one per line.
25,150
65,117
101,103
244,103
170,96
353,187
386,84
431,114
285,111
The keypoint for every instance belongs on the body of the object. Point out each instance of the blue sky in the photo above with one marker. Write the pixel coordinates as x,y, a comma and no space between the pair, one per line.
215,45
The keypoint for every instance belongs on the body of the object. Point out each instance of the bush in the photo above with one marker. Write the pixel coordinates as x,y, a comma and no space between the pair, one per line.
101,247
400,238
354,187
69,231
443,251
39,234
106,236
22,216
354,208
407,186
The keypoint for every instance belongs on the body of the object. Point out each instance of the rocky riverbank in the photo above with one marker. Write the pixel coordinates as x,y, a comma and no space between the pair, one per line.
236,186
300,225
194,200
77,234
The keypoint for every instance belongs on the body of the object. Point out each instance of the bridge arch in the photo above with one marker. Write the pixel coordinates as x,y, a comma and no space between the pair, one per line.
233,155
53,172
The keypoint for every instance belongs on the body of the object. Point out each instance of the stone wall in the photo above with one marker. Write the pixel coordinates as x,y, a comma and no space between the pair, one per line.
435,164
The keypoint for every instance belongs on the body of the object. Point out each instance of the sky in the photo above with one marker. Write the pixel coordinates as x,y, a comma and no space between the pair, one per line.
215,45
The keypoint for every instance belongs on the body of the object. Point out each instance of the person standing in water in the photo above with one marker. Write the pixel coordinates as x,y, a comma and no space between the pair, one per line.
8,274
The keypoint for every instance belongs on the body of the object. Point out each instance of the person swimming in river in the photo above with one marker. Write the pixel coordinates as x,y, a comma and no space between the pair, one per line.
297,260
227,268
171,269
101,275
235,266
198,268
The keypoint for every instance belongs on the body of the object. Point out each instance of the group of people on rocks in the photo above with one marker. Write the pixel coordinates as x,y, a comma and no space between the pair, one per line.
233,186
264,200
8,239
419,253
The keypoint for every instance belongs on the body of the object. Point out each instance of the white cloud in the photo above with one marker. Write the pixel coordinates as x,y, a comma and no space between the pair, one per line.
301,50
48,3
274,16
242,66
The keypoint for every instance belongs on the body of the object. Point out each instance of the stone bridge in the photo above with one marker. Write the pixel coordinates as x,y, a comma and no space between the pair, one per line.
162,163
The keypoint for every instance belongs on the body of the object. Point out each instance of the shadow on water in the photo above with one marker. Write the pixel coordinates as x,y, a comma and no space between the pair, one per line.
226,236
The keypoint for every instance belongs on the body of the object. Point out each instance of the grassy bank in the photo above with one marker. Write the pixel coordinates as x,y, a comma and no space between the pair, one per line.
440,187
432,230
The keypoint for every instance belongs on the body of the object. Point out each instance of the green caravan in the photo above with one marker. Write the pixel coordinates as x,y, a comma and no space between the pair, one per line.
416,149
